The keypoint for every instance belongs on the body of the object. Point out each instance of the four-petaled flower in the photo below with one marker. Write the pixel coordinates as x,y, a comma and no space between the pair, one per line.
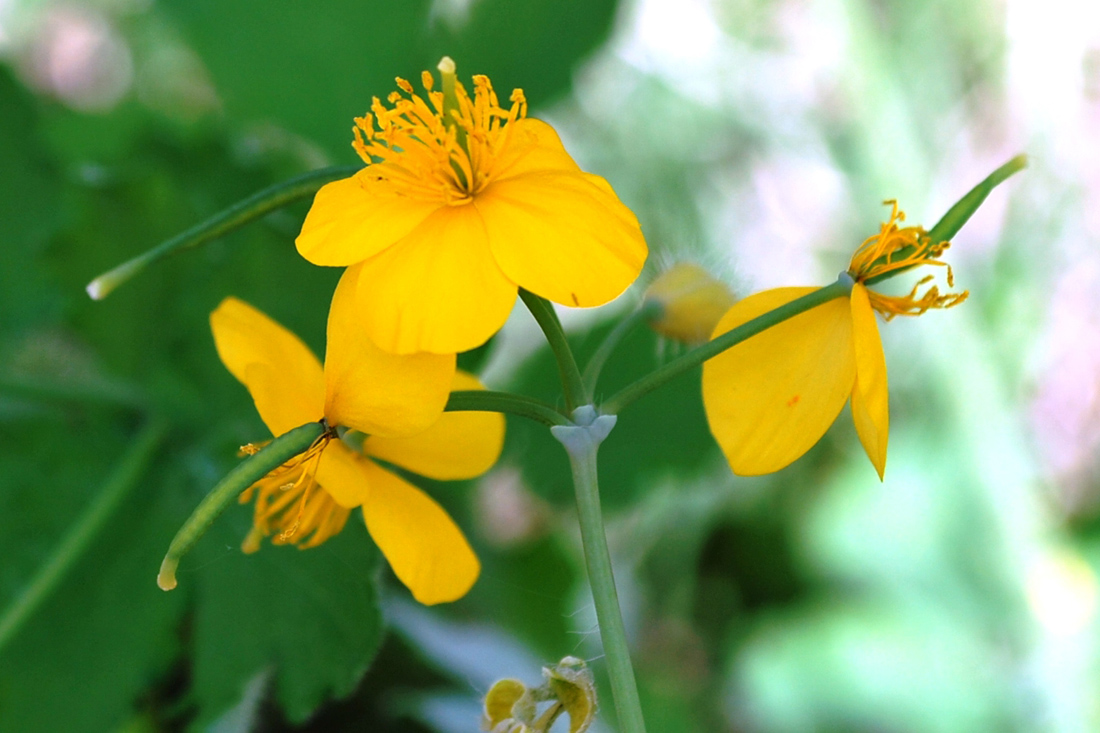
461,202
770,398
396,402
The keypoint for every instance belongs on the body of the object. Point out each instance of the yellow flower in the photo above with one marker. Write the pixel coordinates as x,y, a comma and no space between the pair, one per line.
771,397
397,401
461,202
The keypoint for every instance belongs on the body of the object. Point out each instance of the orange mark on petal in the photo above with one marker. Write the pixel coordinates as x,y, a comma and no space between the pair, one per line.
794,400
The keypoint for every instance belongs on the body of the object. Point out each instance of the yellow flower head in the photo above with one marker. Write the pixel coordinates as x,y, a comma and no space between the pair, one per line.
461,202
770,398
397,402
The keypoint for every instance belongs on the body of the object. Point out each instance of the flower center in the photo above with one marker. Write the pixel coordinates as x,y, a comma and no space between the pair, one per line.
445,149
897,248
290,502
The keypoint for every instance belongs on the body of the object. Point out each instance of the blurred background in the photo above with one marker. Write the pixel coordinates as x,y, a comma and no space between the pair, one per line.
755,137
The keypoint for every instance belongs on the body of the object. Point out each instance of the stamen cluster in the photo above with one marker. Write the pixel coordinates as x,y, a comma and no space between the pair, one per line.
318,516
897,248
443,149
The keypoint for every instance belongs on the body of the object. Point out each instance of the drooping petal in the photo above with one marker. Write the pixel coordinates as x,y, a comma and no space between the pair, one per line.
770,398
459,445
372,390
287,384
357,217
438,289
564,236
423,545
343,474
870,396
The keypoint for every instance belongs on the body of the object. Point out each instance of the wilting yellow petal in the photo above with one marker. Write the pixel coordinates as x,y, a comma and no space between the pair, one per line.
564,236
769,399
343,474
374,391
439,289
870,397
423,545
357,217
459,445
288,386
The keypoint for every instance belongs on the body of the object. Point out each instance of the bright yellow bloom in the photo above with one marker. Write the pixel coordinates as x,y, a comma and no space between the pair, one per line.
460,202
771,398
397,401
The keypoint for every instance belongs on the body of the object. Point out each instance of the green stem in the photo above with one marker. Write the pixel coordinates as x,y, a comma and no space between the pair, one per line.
236,216
731,338
247,472
592,370
571,382
82,534
951,222
483,400
582,442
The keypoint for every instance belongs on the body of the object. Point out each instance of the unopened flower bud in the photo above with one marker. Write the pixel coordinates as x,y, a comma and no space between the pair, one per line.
689,302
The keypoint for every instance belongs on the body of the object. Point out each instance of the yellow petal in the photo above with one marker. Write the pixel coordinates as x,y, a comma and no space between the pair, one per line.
343,475
374,391
423,545
438,289
459,445
287,384
870,396
564,236
533,146
357,217
769,399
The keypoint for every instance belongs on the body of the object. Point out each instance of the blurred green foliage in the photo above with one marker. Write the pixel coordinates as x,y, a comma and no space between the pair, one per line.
813,600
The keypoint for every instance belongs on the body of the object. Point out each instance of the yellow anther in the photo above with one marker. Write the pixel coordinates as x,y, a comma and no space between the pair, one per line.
897,248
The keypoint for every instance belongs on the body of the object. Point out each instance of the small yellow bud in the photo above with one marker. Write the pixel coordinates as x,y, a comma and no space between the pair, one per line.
691,302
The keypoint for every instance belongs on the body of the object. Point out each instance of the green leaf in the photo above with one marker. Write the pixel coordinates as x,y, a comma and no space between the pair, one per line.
106,633
310,617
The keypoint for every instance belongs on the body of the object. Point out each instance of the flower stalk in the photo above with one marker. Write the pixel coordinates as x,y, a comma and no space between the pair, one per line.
571,381
582,441
699,354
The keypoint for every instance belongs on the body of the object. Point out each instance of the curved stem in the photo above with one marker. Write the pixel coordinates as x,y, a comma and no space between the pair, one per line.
573,386
82,534
581,442
698,355
247,472
483,400
225,221
607,347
